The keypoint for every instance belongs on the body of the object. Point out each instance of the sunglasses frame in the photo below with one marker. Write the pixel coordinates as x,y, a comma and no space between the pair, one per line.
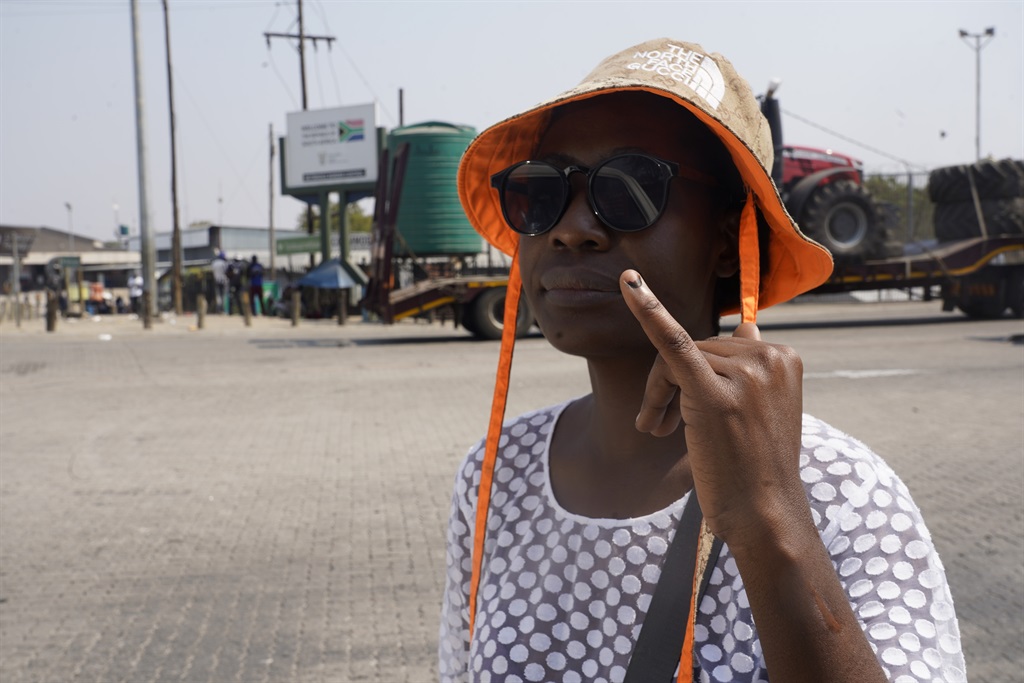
668,169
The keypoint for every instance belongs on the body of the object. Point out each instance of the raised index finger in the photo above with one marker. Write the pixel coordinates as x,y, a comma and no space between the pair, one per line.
675,345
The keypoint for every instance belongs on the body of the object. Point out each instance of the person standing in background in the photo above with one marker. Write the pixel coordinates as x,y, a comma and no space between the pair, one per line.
135,292
256,285
219,266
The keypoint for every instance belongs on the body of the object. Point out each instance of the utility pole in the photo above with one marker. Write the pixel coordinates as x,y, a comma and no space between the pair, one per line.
967,37
176,264
273,244
145,230
305,102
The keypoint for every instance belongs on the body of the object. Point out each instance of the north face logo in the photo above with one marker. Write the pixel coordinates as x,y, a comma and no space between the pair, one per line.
690,68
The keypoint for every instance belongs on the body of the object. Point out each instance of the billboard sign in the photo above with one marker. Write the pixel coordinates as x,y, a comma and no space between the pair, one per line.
331,147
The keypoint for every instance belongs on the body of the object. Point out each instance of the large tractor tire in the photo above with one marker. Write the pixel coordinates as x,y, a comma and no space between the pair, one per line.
1003,179
485,315
959,220
843,218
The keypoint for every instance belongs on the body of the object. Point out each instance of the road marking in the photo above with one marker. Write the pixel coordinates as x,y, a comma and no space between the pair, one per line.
860,374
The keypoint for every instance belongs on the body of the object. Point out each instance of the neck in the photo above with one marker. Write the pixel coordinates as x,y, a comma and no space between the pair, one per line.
618,390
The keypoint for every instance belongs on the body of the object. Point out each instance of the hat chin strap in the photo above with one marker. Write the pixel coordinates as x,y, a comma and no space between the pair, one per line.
750,261
501,383
750,279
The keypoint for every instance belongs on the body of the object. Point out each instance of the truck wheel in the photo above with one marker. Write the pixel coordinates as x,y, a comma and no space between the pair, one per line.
487,311
843,218
1003,179
468,320
959,220
1015,292
983,295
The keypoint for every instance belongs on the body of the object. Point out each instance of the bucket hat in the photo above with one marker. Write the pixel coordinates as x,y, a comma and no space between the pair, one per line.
706,85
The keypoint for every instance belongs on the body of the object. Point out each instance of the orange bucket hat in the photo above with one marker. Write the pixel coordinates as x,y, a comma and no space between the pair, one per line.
707,86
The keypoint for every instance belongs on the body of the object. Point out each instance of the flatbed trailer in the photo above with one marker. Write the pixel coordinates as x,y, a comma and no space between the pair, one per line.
982,276
472,299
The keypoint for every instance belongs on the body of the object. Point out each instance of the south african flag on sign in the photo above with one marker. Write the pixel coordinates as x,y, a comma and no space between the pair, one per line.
350,130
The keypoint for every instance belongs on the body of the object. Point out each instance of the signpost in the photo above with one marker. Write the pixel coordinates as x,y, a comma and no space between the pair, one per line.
326,151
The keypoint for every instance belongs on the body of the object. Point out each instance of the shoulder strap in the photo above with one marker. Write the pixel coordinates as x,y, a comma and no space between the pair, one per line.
658,648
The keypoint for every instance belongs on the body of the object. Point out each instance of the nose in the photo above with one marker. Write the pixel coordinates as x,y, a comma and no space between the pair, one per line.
579,228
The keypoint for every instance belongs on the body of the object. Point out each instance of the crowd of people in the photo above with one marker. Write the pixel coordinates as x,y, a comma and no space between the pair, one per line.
232,278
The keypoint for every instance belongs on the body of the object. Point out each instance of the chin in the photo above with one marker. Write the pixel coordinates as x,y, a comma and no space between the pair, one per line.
605,338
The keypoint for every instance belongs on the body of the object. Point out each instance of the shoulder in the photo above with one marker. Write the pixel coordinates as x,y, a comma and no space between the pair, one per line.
524,439
843,476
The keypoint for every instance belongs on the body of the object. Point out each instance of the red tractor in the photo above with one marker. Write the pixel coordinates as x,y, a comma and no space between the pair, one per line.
824,192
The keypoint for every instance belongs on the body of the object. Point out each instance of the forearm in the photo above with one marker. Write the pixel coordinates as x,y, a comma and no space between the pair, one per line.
807,628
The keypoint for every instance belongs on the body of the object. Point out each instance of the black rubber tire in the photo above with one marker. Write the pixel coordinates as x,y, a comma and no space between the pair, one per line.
468,320
1015,291
843,218
983,295
959,220
486,313
1003,179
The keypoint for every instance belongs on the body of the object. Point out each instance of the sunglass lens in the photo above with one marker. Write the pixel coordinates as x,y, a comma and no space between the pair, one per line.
533,196
629,192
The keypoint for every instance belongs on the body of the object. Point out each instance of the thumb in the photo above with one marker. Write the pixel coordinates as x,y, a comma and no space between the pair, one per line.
747,331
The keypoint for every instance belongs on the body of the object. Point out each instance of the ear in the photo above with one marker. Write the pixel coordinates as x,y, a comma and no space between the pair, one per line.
729,231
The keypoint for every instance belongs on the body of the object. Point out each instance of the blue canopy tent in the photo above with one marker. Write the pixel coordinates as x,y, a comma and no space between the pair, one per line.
333,274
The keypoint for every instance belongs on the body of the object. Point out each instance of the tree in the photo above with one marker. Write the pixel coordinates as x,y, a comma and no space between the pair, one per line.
358,219
891,191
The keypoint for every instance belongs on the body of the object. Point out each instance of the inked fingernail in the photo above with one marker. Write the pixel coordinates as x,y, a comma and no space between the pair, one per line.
635,283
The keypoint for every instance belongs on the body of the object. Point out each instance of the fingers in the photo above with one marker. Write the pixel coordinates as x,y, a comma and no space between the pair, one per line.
747,331
684,360
659,414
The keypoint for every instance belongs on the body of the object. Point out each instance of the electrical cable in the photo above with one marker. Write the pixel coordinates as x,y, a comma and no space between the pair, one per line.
846,138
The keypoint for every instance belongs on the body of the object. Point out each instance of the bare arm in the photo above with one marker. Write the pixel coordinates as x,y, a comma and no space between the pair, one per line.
739,401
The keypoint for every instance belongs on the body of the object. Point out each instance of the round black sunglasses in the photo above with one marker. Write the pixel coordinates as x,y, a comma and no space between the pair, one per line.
627,192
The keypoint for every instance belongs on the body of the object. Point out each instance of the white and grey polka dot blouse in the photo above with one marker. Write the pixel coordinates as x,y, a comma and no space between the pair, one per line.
562,597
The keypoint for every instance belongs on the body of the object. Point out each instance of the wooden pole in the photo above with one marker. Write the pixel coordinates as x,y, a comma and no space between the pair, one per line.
176,265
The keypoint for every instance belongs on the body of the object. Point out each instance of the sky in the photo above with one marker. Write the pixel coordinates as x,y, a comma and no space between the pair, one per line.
890,83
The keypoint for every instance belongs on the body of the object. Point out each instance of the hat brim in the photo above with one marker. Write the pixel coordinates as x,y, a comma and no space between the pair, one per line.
797,264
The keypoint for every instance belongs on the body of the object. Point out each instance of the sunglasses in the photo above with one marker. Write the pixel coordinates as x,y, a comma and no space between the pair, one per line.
628,192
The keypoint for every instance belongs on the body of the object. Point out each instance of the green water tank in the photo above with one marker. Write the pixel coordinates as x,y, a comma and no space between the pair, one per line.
430,218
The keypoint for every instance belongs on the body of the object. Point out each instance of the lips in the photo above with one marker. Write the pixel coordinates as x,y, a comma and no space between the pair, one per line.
575,287
578,280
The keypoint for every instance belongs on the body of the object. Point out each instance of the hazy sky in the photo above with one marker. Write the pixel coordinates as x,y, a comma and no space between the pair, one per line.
891,75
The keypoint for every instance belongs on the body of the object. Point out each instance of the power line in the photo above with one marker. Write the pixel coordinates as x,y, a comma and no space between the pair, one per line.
846,138
376,97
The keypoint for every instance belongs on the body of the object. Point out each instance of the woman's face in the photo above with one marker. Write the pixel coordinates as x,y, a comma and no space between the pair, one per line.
570,273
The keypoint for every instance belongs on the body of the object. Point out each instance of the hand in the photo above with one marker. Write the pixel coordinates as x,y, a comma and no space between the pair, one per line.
739,401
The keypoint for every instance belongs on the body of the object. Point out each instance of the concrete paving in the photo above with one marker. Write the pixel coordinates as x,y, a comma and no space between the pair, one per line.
267,504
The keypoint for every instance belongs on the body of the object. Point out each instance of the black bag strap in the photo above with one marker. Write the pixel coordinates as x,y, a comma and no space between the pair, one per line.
660,643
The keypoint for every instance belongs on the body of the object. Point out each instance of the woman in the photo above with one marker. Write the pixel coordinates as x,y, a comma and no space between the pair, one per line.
638,208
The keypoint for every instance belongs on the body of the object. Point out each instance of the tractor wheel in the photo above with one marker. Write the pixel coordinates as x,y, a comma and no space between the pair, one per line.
959,220
844,219
487,311
1003,179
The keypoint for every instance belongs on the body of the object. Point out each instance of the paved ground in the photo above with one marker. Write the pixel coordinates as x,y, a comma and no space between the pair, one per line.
267,504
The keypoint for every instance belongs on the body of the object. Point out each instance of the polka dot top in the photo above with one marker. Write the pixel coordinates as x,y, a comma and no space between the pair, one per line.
563,597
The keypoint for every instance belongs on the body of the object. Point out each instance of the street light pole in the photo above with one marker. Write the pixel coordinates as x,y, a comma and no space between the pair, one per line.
980,40
71,228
